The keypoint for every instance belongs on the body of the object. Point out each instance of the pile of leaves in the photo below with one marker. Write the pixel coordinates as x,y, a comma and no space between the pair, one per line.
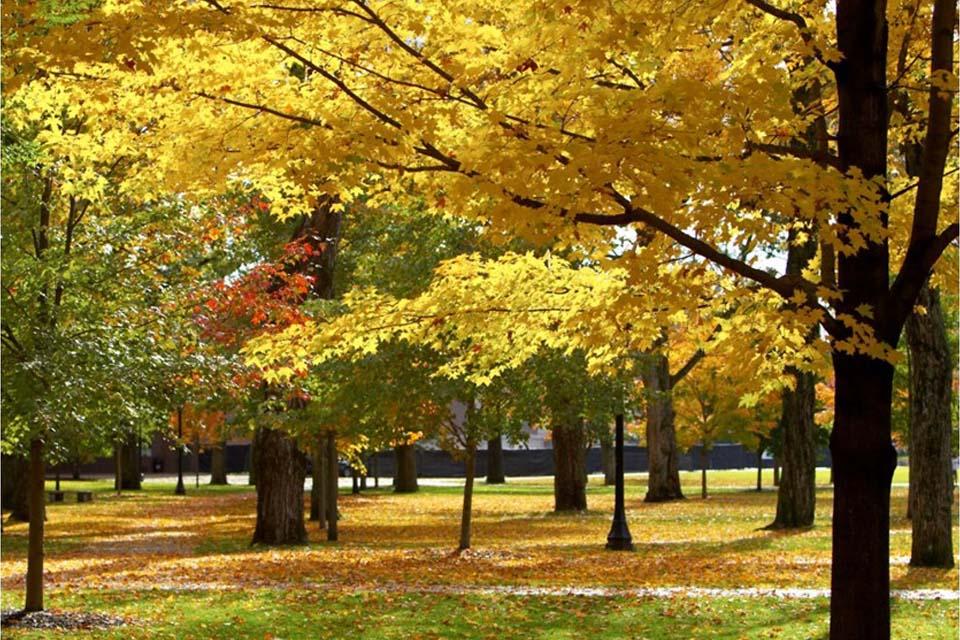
68,620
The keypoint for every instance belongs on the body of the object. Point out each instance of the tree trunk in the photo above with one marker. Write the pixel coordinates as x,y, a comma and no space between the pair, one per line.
663,479
608,462
931,477
405,476
864,460
704,461
495,461
131,462
760,468
797,493
318,489
34,583
15,485
281,469
569,488
333,486
776,471
252,460
354,481
218,464
466,516
75,469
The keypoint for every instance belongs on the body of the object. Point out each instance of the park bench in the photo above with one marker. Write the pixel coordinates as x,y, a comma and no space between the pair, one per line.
84,496
54,496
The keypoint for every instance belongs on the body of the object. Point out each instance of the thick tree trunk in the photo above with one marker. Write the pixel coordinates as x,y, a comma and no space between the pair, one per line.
126,458
864,460
569,487
467,514
931,476
34,582
15,485
663,480
776,470
281,469
252,461
405,476
318,486
495,461
333,486
796,496
608,462
704,462
218,464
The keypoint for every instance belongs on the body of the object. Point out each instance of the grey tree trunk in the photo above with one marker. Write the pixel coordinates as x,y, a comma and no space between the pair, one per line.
218,464
495,461
14,486
319,486
569,485
796,494
281,469
467,514
931,476
608,462
704,461
405,478
127,459
663,480
333,486
760,468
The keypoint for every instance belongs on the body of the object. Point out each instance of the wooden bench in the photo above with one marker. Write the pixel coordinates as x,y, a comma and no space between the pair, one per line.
84,496
54,496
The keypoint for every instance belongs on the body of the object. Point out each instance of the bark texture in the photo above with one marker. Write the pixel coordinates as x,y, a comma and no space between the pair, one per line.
218,464
663,483
864,460
931,477
796,493
405,478
569,463
495,461
281,469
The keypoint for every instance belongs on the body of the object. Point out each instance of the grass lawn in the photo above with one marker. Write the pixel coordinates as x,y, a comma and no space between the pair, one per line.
183,567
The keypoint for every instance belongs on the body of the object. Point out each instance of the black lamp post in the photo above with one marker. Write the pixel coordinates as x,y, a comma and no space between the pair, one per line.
619,538
180,490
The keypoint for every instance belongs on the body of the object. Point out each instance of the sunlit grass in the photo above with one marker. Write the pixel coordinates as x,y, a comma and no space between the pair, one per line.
154,544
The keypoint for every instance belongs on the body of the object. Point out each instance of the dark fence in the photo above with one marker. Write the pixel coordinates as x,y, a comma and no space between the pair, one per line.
440,464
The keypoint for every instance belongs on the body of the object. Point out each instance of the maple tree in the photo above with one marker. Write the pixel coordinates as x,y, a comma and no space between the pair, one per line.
563,123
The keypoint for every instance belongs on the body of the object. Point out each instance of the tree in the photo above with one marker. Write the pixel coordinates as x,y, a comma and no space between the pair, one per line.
596,132
931,475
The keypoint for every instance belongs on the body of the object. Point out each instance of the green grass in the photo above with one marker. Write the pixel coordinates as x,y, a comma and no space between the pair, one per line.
329,614
406,539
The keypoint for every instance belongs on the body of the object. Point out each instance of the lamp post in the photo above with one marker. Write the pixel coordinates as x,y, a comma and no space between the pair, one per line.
180,490
619,538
